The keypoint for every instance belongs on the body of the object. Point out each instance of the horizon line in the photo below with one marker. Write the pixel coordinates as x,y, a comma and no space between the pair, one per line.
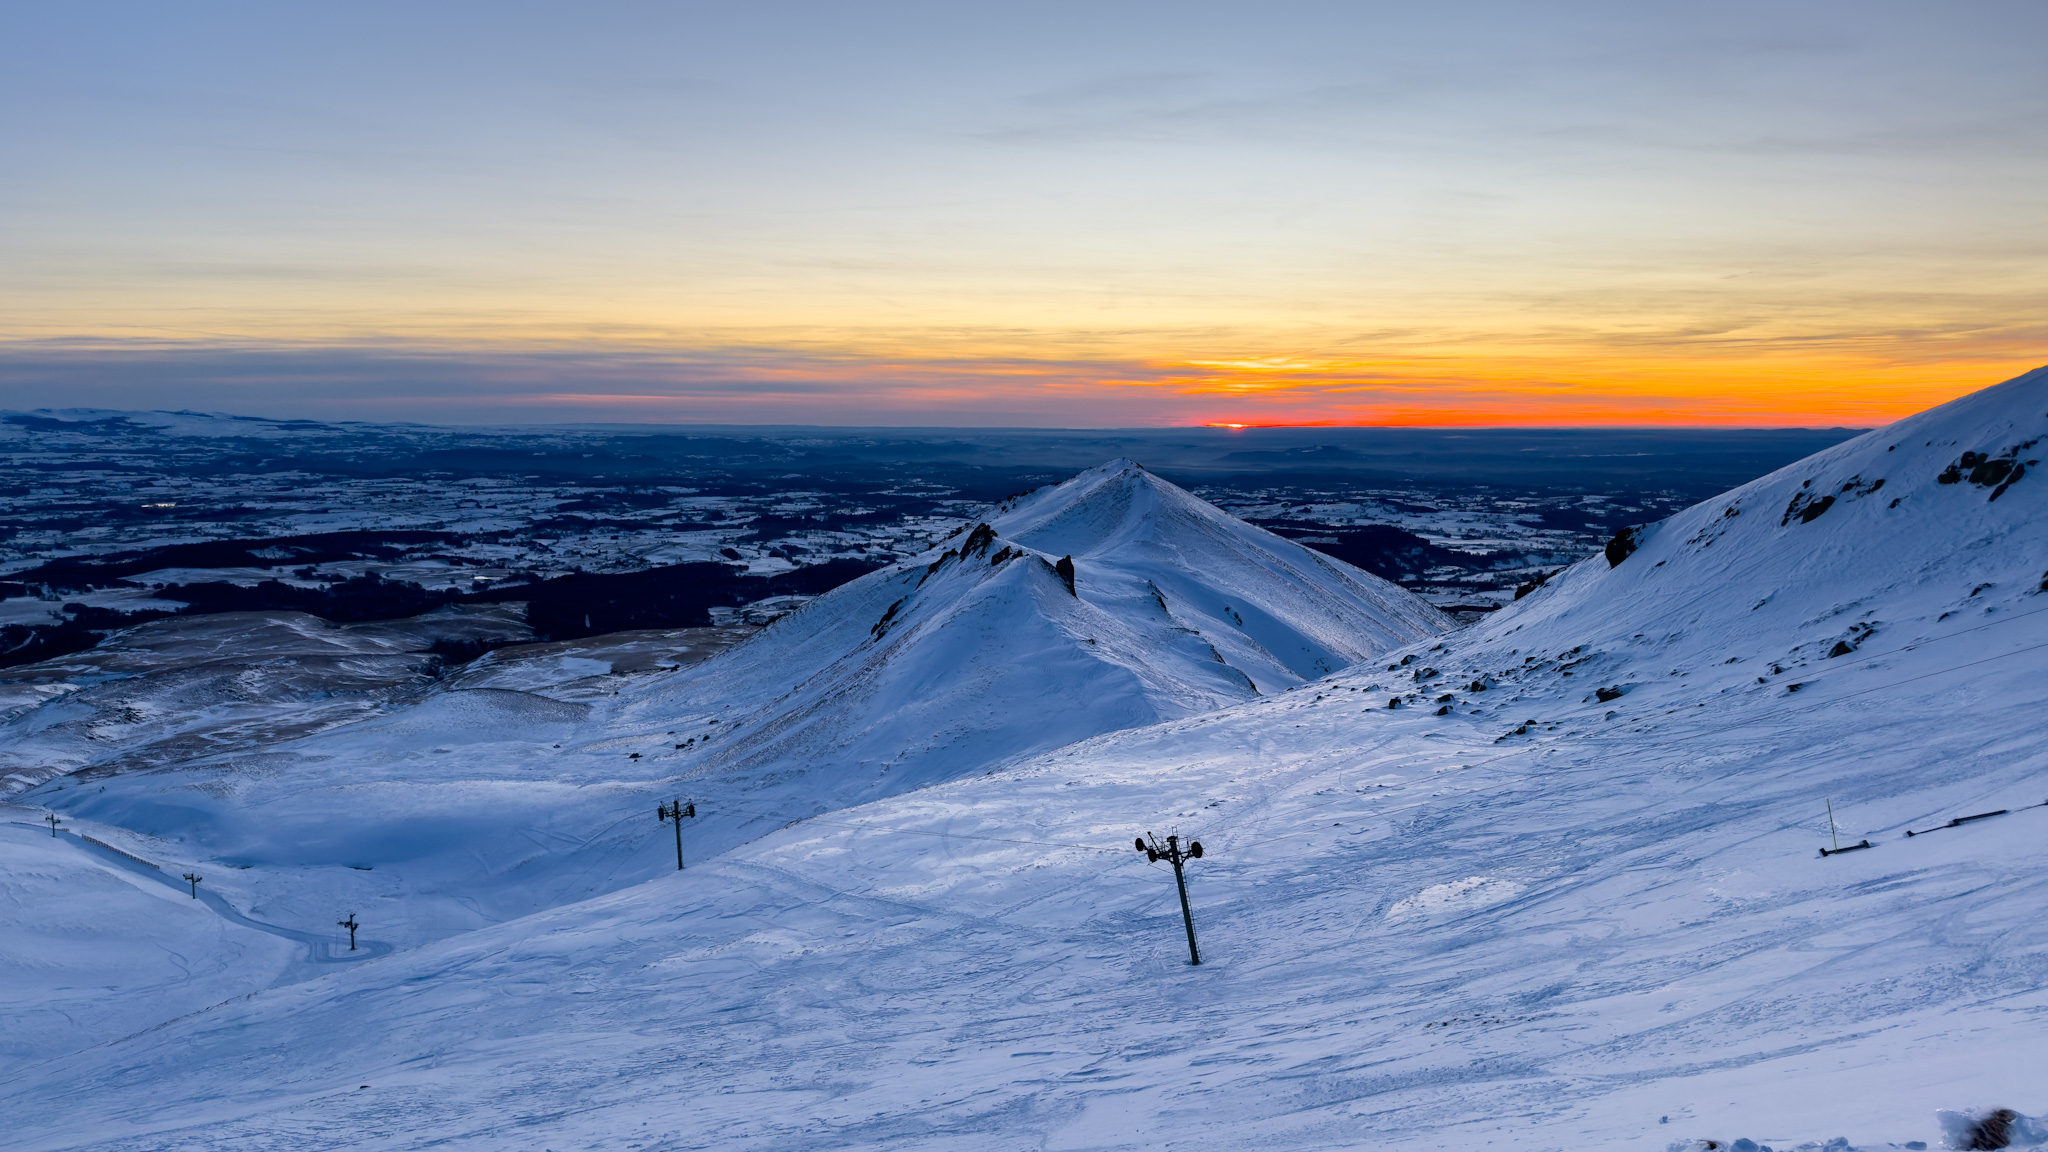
1326,425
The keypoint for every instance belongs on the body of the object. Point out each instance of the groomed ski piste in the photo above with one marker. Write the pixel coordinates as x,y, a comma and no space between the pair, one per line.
1553,881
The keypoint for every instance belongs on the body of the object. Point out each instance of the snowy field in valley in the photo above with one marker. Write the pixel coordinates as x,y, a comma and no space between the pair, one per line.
1552,880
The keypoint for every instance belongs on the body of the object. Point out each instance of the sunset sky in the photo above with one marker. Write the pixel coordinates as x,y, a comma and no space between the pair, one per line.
1040,214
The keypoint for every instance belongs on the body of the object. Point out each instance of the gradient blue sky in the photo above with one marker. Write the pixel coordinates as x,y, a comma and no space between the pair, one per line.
1112,213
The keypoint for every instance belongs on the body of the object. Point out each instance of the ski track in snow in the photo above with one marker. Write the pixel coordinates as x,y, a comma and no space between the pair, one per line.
1542,920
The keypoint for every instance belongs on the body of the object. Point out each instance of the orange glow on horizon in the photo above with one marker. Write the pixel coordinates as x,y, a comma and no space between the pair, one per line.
1446,392
780,378
1755,391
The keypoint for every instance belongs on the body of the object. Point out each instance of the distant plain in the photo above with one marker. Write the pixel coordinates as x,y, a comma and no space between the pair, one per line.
116,517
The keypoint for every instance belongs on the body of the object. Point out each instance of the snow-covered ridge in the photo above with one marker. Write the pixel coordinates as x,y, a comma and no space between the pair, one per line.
1110,601
1924,528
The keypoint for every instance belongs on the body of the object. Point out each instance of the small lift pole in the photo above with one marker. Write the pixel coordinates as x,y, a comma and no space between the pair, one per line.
675,810
351,925
1172,853
194,880
53,822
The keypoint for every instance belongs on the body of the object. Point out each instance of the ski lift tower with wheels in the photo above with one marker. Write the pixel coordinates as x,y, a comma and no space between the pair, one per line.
1174,854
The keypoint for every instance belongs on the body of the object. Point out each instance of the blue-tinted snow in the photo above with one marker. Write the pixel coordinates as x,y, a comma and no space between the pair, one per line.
1541,919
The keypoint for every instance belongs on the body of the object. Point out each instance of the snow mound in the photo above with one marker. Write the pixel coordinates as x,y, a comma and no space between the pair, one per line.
1469,894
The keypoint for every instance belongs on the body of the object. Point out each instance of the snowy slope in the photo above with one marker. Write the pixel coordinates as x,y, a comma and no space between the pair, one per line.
981,651
529,779
75,912
1539,919
1926,528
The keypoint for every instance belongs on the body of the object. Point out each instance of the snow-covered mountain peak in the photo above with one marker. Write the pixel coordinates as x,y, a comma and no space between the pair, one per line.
926,670
1116,507
1110,601
1106,507
1280,612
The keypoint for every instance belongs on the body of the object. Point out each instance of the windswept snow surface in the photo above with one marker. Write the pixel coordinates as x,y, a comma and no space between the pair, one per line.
1579,907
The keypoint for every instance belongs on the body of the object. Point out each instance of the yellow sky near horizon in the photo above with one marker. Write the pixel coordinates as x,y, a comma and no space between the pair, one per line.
1822,214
